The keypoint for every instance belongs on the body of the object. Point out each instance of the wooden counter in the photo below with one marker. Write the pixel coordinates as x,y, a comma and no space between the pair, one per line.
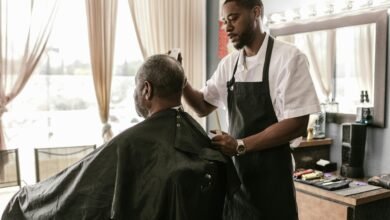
319,204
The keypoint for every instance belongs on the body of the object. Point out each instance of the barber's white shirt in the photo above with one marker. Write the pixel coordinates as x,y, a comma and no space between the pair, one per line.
291,87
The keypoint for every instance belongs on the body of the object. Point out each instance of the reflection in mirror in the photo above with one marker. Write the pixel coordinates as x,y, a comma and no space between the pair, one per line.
354,66
347,51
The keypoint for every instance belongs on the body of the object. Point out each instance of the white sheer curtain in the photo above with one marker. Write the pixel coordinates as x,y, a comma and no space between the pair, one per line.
166,24
365,47
320,50
355,64
287,38
25,28
101,29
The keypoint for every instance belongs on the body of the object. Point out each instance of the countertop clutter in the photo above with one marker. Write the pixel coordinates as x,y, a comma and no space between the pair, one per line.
328,181
381,180
325,196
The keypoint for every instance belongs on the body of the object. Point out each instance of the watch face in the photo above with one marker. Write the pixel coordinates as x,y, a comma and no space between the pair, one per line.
241,149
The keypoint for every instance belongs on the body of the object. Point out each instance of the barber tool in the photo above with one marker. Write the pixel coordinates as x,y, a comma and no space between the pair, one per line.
175,53
341,184
312,176
325,166
219,130
298,174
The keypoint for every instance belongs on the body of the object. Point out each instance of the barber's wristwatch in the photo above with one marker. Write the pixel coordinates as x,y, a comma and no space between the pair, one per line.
241,149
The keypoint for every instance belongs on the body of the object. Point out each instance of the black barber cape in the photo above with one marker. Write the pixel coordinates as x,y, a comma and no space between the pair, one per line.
161,168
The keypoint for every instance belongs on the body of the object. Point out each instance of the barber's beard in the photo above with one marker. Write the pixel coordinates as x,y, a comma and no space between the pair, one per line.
245,38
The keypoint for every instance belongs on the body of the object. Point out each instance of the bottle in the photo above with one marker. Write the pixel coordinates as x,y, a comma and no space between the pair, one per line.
359,109
366,97
367,109
333,106
363,112
319,123
309,134
362,97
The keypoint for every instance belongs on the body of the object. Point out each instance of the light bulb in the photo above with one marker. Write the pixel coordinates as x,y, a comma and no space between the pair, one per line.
291,15
276,18
307,11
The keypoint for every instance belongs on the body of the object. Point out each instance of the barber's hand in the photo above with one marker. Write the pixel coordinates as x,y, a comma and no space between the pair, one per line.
225,143
180,58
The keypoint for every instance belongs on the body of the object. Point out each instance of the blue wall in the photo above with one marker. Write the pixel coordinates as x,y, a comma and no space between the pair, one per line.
377,158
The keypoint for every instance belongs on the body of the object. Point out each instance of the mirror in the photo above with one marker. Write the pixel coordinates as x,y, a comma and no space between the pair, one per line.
347,55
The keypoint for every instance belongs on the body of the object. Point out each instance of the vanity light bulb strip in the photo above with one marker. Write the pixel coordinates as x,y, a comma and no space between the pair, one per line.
323,9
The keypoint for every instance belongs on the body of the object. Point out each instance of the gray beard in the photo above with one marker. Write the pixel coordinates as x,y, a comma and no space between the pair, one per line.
141,111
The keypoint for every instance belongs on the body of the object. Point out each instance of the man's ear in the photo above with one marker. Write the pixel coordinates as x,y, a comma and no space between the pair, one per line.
258,11
147,91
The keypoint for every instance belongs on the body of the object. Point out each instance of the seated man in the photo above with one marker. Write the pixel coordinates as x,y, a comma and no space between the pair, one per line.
161,168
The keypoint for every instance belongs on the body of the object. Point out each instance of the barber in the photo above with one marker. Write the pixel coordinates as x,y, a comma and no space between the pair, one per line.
266,86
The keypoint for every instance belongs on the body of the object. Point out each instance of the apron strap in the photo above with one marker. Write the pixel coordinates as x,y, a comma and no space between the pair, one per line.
268,59
265,68
233,80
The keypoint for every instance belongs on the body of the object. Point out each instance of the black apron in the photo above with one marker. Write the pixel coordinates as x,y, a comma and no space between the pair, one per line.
267,191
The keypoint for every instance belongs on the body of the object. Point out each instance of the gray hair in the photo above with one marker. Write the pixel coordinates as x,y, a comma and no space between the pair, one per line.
164,73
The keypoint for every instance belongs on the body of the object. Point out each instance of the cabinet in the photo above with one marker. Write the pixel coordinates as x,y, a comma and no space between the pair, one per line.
315,203
309,152
318,204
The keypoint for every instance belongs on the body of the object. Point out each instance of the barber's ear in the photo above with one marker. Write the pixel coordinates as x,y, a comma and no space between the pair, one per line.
147,91
258,11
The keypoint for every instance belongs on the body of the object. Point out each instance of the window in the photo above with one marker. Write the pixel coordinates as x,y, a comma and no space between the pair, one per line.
58,106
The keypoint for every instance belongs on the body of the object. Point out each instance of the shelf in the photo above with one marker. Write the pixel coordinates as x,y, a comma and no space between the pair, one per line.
315,142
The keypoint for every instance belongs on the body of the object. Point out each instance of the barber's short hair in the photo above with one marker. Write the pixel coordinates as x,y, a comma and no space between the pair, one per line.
249,4
164,73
